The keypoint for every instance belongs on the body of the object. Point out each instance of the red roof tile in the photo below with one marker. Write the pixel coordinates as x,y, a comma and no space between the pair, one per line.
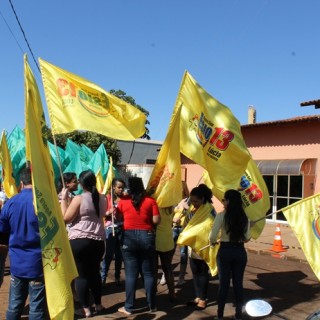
315,103
291,120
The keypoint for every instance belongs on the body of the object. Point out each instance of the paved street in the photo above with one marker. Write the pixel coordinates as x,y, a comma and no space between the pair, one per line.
285,281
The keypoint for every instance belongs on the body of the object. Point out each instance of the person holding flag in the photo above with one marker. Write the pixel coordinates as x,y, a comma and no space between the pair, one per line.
114,231
71,182
232,256
201,200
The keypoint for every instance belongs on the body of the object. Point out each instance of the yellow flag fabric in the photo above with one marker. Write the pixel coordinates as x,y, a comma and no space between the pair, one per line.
196,235
110,176
254,194
58,263
165,181
211,136
304,219
255,197
100,182
9,184
74,103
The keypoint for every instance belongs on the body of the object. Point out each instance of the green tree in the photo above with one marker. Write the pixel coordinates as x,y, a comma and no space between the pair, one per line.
122,95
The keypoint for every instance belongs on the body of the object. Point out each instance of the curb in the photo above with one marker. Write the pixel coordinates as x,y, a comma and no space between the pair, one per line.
280,255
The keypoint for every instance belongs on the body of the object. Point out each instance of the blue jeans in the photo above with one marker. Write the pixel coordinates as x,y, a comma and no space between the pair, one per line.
183,250
231,261
19,290
113,244
138,251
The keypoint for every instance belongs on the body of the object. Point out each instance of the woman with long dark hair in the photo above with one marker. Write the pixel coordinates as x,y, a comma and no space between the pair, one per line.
232,256
86,234
141,215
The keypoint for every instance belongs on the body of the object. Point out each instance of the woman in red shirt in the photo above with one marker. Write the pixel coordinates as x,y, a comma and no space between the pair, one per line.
141,215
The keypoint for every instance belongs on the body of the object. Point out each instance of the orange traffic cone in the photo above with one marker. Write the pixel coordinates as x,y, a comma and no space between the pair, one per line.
277,243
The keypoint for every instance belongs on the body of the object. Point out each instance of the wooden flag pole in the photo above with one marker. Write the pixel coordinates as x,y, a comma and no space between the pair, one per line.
113,208
254,221
266,216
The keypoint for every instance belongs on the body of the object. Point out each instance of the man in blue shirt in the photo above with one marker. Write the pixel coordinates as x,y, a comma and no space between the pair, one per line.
19,220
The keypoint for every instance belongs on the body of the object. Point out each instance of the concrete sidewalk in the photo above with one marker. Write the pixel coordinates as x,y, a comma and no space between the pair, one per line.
264,244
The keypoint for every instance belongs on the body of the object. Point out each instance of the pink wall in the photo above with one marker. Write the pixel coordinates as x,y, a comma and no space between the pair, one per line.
285,140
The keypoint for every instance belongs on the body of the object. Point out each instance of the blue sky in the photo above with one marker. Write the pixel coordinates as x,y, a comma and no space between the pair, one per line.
263,53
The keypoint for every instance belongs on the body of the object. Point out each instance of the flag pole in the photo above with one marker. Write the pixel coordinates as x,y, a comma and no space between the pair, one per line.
113,207
254,221
266,216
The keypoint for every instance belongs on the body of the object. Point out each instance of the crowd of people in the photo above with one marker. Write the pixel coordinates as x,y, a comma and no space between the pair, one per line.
126,226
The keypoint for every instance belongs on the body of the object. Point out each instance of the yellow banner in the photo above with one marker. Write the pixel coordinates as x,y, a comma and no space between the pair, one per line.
304,219
211,136
9,184
196,235
254,194
77,104
110,176
58,263
165,181
255,197
100,182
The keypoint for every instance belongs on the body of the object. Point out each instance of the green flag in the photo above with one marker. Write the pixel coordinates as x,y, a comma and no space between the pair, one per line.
100,161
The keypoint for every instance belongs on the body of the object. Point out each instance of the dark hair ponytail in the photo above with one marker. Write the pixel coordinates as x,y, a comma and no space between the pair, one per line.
88,181
235,219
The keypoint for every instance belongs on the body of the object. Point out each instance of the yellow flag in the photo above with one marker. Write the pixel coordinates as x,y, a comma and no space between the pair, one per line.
110,176
211,136
255,197
304,219
8,182
77,104
254,194
58,263
100,182
196,235
165,180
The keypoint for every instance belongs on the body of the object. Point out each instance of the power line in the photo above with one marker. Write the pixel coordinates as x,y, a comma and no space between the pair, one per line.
24,35
11,32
